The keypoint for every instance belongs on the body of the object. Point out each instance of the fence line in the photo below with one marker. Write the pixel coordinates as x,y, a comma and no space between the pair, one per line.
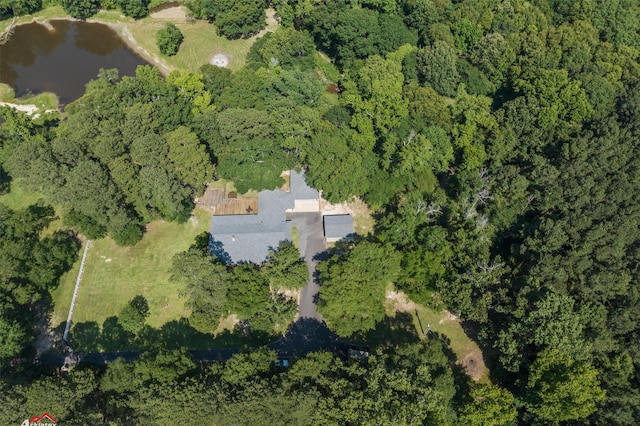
75,292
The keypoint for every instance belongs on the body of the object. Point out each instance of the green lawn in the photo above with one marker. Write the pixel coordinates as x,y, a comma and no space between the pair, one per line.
19,198
6,93
113,275
295,236
200,39
443,325
200,43
44,101
408,322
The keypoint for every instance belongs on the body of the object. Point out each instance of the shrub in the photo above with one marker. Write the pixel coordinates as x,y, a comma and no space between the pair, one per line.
135,9
134,315
81,9
169,39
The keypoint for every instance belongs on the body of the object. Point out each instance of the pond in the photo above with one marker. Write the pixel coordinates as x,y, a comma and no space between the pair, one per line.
62,59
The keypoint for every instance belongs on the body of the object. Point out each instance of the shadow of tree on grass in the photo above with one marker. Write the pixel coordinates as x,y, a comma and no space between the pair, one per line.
390,332
86,336
177,334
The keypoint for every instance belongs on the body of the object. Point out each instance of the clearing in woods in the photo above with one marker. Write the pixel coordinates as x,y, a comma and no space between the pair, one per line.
113,275
431,324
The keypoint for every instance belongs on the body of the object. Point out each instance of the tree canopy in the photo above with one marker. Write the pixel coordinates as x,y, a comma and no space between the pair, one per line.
168,39
495,142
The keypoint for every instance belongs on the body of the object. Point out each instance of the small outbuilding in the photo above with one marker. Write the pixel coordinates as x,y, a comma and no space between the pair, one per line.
338,227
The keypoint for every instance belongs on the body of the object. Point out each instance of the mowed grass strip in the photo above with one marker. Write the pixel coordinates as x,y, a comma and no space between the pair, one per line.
113,275
63,293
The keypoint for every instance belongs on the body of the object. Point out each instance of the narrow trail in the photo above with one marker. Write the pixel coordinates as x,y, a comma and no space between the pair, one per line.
75,292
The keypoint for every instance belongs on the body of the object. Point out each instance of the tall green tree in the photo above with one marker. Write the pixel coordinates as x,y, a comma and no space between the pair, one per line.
189,158
437,68
20,7
12,337
168,39
247,152
134,315
353,287
60,394
207,283
560,388
134,8
288,48
376,99
242,367
490,405
285,269
81,9
236,19
248,292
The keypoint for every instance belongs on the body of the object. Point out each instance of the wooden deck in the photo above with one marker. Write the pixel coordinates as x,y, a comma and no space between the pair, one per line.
215,201
236,206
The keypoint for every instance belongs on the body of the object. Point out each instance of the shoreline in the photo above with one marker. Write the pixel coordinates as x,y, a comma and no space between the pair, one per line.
203,44
123,32
127,37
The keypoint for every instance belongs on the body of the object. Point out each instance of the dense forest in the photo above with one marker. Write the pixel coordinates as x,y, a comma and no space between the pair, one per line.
497,143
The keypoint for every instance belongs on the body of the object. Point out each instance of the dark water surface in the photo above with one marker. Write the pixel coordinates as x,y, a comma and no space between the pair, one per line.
62,60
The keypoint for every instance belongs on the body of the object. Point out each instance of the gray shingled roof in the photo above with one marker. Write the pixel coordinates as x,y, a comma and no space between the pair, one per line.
338,226
248,238
299,188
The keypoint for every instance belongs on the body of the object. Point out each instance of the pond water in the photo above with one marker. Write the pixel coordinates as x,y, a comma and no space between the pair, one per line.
62,60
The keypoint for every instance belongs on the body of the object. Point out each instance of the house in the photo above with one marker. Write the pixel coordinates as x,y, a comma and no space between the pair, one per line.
248,237
338,227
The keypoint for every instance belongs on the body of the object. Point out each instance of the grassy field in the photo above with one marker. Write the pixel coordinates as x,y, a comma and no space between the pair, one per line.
408,322
200,43
113,275
444,326
6,93
18,197
44,101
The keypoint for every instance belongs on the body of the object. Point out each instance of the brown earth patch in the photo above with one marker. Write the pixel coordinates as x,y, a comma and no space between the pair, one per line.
401,301
473,364
170,13
289,294
448,316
